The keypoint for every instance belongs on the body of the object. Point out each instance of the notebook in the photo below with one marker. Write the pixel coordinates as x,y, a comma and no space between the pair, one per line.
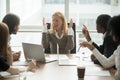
34,51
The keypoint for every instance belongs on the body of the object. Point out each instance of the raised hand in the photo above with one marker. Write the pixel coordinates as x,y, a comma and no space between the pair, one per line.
71,23
86,33
43,21
86,44
44,25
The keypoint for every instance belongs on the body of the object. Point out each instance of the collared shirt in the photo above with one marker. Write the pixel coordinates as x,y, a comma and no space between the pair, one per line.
59,37
104,35
70,32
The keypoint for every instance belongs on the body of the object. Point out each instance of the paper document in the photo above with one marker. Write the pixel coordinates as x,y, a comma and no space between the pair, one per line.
8,75
20,63
64,60
67,62
56,57
97,73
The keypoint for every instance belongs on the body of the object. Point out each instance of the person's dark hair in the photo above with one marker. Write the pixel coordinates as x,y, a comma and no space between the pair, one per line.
114,25
103,20
11,20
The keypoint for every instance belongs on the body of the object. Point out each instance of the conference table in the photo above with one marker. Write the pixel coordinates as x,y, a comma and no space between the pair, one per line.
54,71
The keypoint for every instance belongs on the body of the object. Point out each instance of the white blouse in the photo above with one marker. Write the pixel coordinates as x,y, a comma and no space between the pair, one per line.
70,31
111,61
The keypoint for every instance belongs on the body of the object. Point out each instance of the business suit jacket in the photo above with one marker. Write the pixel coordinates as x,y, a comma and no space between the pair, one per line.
66,43
107,48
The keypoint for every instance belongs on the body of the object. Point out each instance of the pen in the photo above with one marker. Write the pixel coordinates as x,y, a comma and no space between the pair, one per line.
78,48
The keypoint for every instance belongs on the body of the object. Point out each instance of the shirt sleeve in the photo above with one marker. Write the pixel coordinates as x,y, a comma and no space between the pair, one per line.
3,65
44,29
106,62
45,39
90,41
70,31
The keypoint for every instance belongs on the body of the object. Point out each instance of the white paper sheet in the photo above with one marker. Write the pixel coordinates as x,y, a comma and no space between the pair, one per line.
95,72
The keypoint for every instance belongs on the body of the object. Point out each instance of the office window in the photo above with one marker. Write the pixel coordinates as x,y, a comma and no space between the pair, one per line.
88,22
86,11
51,6
72,1
2,8
94,1
54,1
31,12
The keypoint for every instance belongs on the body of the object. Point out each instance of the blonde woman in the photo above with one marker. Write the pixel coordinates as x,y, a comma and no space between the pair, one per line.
59,34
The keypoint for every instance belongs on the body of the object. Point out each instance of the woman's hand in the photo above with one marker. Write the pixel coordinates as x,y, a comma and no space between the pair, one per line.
13,70
92,57
71,23
32,66
44,25
86,44
16,55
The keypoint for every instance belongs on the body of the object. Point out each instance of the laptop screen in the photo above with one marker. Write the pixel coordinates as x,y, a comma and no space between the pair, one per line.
33,51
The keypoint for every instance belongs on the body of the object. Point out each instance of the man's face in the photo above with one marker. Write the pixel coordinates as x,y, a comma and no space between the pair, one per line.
99,28
16,28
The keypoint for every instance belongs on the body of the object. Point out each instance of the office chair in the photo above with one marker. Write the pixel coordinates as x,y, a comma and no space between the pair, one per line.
47,50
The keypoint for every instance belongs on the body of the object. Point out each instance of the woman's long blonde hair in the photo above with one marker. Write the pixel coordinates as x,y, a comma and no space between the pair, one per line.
61,16
4,32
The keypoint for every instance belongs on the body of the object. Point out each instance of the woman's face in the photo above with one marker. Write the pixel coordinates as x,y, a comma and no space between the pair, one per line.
57,23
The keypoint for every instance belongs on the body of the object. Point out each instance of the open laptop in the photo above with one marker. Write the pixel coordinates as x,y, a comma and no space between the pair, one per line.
34,51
